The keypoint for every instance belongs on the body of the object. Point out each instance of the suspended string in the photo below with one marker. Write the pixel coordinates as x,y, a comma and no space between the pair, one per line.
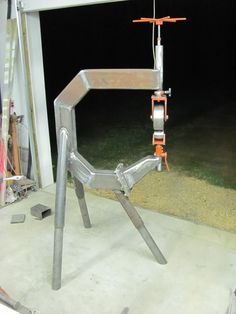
153,35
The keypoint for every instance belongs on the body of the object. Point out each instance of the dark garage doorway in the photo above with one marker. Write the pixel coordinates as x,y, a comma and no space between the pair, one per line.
199,66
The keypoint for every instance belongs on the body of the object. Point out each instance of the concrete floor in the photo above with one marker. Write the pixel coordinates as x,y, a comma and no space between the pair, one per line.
108,269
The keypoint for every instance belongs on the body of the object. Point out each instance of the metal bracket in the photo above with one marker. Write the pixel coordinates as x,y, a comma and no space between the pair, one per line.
121,180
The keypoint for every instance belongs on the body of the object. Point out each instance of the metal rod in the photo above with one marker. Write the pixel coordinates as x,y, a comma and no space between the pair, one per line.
9,301
60,208
18,6
159,63
79,190
16,305
139,224
159,35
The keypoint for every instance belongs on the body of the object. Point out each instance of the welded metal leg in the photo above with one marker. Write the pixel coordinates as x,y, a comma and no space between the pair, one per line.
79,190
139,224
60,208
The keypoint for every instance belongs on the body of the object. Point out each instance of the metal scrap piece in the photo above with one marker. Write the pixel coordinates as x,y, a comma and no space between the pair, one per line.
18,218
40,211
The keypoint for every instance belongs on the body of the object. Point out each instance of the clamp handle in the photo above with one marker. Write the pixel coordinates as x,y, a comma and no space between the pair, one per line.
161,20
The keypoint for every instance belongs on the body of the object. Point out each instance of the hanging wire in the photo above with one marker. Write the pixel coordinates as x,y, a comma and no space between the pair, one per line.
153,35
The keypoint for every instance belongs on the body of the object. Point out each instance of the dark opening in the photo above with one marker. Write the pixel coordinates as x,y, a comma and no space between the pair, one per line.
199,58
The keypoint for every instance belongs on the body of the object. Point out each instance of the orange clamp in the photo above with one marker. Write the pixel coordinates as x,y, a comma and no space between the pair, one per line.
159,99
159,152
161,20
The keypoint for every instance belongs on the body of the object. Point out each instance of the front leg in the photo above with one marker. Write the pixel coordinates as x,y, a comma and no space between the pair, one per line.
139,224
60,208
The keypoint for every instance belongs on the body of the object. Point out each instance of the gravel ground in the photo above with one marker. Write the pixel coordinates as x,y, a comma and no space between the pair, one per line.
189,198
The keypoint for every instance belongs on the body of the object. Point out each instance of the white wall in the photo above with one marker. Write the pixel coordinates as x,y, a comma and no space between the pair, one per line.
39,98
40,5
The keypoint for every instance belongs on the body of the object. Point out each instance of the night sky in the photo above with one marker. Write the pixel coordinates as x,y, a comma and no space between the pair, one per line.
199,54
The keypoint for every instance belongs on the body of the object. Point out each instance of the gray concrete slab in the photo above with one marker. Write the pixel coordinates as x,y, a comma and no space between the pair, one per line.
108,269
